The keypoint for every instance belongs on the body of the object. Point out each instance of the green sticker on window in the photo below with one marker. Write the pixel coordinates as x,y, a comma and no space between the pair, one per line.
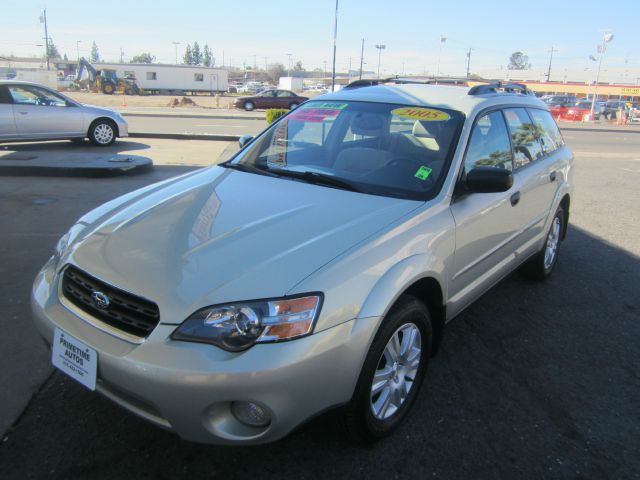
331,105
423,173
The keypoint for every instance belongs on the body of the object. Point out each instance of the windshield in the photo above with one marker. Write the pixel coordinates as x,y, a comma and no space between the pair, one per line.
375,148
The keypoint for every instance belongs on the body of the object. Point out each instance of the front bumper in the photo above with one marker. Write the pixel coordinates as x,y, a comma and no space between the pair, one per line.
123,128
188,387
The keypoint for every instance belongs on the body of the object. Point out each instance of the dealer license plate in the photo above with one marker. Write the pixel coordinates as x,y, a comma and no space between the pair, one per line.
74,358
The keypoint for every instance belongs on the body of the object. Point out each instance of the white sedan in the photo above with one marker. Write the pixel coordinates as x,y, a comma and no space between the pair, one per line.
29,111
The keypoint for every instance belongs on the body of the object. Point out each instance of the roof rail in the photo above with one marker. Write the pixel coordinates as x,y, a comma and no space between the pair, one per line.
382,81
482,89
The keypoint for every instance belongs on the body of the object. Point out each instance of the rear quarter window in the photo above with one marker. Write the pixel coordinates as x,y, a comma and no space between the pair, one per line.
550,136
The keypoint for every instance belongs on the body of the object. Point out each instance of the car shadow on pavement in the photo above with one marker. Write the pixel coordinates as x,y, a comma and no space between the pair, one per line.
534,380
68,146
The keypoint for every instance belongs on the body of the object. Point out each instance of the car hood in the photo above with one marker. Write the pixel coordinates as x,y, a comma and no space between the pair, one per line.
222,235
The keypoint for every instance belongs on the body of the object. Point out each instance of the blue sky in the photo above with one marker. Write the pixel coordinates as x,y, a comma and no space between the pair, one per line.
410,30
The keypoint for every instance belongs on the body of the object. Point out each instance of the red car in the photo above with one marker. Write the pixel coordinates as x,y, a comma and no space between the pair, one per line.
575,113
270,99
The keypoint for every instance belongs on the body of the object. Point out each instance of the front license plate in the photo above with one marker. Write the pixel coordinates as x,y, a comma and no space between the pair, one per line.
74,358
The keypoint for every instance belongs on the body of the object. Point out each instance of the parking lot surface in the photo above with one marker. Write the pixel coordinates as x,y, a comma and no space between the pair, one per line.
535,380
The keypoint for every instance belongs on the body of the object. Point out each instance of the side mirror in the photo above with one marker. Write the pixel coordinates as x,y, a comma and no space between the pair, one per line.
488,180
244,139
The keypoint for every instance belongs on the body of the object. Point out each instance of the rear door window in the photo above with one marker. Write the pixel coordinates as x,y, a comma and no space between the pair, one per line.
524,136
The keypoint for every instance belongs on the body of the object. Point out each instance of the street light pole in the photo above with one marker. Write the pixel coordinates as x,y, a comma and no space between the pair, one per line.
380,47
175,46
361,58
335,35
468,61
550,60
78,42
606,38
289,65
43,19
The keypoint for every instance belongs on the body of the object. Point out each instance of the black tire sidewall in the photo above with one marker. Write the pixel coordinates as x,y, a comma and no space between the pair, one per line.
360,418
548,271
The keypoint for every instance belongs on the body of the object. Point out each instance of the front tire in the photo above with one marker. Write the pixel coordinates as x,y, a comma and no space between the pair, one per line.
102,133
292,106
542,264
392,373
248,106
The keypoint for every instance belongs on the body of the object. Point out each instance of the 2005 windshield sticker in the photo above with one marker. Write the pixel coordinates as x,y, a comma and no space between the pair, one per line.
318,113
424,114
423,173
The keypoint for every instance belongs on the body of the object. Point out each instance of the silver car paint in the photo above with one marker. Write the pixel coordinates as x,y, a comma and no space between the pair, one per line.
40,122
361,267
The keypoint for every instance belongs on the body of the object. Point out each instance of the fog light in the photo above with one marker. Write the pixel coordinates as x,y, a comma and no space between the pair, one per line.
250,414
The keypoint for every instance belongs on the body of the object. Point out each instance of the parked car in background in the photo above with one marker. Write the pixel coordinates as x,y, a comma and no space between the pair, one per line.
559,100
578,112
29,111
270,99
612,107
316,269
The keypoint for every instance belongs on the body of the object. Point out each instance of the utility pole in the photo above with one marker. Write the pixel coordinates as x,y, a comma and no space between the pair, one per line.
289,65
121,55
78,42
175,46
255,64
361,58
550,60
468,61
335,35
43,19
380,47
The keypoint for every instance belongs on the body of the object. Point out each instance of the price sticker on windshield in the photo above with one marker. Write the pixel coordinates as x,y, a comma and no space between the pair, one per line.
314,114
424,114
423,173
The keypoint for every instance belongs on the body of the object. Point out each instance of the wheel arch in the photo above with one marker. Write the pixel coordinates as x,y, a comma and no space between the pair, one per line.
565,203
110,120
412,277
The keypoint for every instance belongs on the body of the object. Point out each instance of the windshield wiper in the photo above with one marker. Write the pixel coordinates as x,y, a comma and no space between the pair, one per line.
317,178
245,167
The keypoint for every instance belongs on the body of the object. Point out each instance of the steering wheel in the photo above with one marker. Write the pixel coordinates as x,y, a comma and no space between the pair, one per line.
42,101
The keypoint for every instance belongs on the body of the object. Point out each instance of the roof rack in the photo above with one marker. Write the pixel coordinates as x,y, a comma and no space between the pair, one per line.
518,88
404,81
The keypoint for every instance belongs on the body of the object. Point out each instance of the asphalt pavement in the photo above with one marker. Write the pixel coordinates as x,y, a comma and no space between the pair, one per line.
535,380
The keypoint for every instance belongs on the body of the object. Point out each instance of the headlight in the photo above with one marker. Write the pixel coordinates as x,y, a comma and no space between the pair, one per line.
66,240
236,327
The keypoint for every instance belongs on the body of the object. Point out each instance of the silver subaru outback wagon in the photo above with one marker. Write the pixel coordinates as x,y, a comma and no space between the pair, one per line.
315,269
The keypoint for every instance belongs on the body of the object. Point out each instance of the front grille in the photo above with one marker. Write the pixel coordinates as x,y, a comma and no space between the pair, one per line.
126,312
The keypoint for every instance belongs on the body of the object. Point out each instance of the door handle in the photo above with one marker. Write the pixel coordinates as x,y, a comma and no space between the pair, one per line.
515,198
23,113
552,177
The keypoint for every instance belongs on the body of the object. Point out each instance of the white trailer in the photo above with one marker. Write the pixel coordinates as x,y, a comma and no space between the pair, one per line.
171,79
36,75
291,83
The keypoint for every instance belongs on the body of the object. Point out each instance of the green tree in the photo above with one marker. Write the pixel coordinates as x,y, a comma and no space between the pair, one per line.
298,66
196,54
275,71
518,61
53,50
207,57
187,59
145,57
95,53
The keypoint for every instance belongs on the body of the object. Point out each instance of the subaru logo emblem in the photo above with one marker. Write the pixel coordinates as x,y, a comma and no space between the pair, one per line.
100,300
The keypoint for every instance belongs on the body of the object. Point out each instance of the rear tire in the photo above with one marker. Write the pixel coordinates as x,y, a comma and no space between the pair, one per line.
108,88
292,106
102,133
543,263
389,382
